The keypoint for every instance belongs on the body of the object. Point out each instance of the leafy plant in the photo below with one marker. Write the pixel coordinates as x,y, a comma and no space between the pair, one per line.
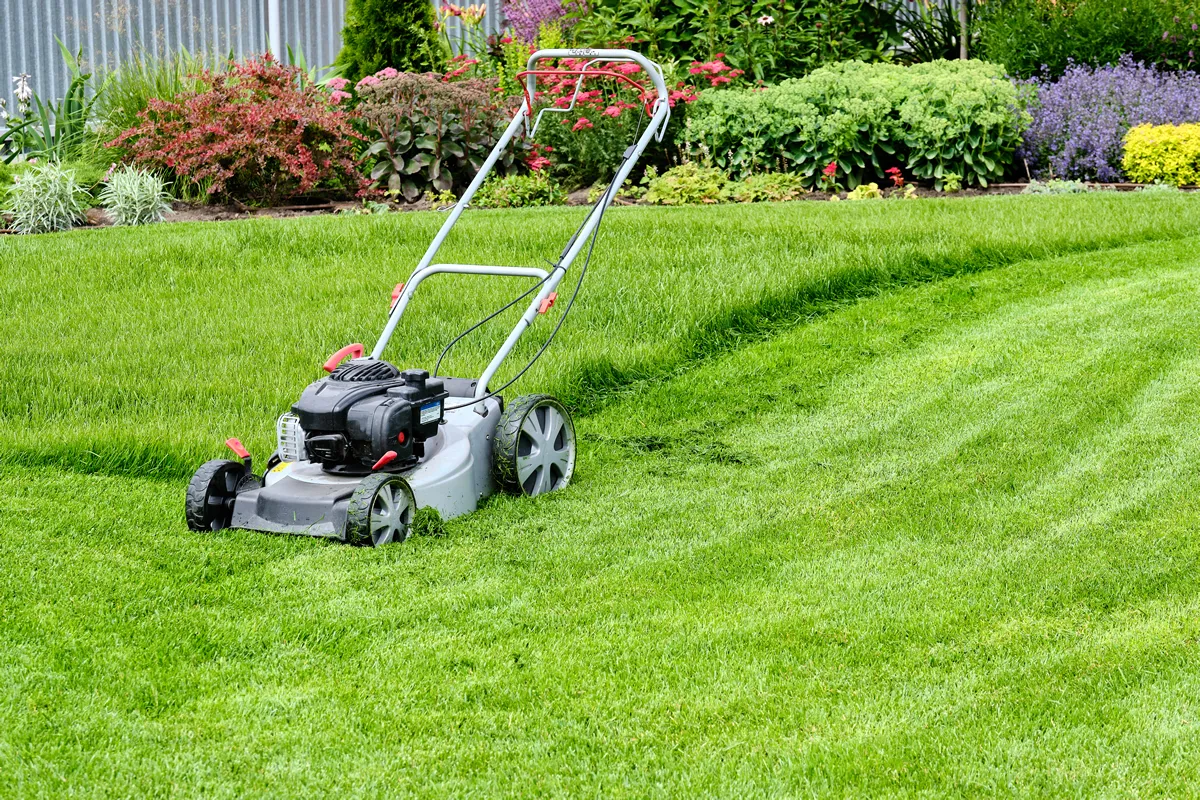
129,87
519,191
931,119
427,133
1055,187
46,198
1032,36
1163,154
1079,121
770,187
865,191
769,39
388,33
59,130
951,183
931,29
258,133
687,184
134,197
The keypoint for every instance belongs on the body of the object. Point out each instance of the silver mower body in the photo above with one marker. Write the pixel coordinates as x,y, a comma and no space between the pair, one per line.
453,476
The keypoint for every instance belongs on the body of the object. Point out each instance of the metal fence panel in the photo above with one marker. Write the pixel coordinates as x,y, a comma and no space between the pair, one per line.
109,31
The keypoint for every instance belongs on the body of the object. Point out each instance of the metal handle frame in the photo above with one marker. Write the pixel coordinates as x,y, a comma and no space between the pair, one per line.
660,114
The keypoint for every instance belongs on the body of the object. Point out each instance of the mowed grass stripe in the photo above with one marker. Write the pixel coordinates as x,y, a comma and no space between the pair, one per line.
138,351
938,541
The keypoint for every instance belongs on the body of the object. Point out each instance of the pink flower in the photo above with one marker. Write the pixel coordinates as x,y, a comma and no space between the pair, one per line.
612,111
538,162
387,72
627,68
338,96
337,84
582,124
830,169
370,80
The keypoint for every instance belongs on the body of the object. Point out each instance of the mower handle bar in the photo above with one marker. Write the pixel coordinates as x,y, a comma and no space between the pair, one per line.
660,113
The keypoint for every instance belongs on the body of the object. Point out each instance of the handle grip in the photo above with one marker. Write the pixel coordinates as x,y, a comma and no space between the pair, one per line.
355,350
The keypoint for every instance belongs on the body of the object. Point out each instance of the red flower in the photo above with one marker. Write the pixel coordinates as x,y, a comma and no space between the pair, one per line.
582,124
831,169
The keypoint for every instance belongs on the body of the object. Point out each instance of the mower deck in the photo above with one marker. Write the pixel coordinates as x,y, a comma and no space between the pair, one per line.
301,498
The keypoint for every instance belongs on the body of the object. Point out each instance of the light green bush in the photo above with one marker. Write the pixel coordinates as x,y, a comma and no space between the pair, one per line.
687,184
519,191
134,197
964,117
46,198
771,187
1055,187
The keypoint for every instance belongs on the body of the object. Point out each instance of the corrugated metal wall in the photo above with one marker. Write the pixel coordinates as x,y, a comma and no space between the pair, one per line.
108,31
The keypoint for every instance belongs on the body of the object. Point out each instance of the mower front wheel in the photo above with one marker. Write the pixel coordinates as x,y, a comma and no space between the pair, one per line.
212,491
534,450
381,511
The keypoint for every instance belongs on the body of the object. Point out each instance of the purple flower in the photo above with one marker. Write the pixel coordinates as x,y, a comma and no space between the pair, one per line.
1080,120
526,17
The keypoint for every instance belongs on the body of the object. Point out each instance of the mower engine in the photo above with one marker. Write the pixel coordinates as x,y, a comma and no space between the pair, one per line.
366,416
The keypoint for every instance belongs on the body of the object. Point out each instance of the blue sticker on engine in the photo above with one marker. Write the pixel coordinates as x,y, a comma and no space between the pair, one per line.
431,412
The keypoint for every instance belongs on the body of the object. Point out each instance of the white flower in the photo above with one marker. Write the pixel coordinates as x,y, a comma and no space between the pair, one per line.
766,19
23,91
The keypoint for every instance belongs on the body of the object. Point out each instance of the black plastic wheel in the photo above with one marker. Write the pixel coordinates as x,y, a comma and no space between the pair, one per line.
381,511
211,493
534,449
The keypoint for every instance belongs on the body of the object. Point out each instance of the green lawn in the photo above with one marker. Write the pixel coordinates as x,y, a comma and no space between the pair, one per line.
893,498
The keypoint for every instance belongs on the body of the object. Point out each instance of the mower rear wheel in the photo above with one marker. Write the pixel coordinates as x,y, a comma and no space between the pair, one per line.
381,511
211,493
534,449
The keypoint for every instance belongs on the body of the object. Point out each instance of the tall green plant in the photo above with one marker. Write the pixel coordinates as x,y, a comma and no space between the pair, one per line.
128,89
56,131
769,39
389,33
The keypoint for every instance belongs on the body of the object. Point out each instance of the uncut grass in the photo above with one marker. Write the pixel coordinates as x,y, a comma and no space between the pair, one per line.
138,351
936,541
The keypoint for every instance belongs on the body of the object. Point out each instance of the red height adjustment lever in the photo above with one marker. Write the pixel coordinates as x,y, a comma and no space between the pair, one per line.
353,350
240,451
548,303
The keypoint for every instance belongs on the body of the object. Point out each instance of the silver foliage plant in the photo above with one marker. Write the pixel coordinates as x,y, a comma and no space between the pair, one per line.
134,197
46,198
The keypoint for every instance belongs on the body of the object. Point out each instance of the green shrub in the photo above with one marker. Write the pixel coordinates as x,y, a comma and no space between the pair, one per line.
685,185
771,187
130,87
1055,187
519,191
801,36
1163,154
1029,35
865,191
426,134
389,33
134,197
46,198
964,117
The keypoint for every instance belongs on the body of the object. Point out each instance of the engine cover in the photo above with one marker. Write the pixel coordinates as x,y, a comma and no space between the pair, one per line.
366,408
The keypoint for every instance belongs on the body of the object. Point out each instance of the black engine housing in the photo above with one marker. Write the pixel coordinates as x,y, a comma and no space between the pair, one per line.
366,408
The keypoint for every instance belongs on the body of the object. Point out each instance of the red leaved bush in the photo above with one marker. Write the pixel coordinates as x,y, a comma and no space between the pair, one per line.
259,132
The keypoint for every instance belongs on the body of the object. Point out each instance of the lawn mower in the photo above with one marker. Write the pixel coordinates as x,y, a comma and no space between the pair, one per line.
366,446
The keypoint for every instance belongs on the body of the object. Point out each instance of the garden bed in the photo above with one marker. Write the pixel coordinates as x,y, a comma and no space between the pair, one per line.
200,212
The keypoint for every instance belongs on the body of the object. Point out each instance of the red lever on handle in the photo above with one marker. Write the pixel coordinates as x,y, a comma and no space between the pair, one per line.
355,350
547,303
396,294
